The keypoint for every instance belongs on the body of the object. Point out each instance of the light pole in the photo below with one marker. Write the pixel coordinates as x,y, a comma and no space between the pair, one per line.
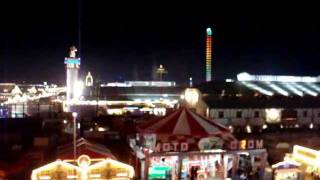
74,115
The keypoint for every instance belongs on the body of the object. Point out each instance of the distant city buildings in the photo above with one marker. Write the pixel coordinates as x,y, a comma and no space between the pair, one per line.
249,100
140,84
256,101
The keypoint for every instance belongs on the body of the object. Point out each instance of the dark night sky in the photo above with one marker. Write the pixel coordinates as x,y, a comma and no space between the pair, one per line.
117,39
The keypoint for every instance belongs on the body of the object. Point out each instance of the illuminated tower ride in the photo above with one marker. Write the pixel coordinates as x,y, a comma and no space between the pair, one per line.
208,55
72,66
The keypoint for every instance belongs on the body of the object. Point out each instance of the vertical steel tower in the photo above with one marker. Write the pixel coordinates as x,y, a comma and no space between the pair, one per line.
209,55
72,67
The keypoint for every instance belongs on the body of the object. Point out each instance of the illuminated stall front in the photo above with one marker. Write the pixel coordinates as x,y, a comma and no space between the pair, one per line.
183,145
249,157
308,160
302,163
201,165
287,169
84,168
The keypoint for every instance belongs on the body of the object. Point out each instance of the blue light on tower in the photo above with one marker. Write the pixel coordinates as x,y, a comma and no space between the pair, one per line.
72,61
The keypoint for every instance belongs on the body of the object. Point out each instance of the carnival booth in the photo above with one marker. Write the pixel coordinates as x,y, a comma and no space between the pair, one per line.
287,169
90,161
84,168
183,145
308,160
250,157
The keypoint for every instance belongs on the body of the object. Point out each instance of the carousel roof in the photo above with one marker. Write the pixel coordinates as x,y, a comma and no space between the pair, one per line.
184,122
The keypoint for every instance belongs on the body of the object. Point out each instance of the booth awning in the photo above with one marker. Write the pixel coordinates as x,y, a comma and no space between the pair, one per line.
184,122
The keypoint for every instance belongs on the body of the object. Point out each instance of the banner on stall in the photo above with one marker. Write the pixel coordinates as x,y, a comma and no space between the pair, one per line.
172,146
210,143
246,144
149,141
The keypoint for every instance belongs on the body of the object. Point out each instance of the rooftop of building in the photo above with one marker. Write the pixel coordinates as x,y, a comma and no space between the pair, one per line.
134,92
255,91
84,146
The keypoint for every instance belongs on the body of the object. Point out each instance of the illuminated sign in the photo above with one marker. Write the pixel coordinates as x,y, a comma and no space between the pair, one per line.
149,140
72,61
210,143
192,95
306,155
84,169
84,161
246,144
273,115
140,84
248,77
174,146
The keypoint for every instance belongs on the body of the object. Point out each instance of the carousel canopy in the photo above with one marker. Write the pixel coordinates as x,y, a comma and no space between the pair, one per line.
184,122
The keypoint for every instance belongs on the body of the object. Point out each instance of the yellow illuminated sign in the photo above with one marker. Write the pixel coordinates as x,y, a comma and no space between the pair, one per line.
243,144
306,155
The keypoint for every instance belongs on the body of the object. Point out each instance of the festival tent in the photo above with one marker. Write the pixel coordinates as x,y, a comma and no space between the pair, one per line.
184,122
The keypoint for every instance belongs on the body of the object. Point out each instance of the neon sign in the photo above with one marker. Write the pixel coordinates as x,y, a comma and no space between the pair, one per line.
174,146
72,61
246,144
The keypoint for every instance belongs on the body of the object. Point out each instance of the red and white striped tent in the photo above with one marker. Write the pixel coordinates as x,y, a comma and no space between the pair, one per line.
186,123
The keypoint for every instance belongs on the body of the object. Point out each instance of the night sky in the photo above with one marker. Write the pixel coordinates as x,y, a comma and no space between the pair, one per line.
122,42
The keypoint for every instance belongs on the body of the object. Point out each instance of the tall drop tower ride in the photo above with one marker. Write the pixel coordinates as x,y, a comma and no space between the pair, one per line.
209,40
72,67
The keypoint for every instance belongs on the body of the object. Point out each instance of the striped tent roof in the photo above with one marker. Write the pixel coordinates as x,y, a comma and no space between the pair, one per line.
184,122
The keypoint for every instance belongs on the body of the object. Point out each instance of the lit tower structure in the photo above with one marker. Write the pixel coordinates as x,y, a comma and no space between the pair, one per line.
161,71
72,66
89,80
209,55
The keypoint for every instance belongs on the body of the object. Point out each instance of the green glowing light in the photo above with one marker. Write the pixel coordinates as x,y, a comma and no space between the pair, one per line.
209,32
